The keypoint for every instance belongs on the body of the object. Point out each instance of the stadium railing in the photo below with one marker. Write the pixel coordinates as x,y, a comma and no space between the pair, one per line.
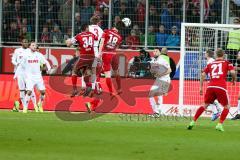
50,22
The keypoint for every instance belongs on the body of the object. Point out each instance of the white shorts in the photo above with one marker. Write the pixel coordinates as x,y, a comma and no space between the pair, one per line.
31,83
21,82
161,86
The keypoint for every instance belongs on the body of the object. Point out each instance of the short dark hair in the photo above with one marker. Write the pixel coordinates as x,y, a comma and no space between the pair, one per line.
119,25
84,27
210,53
220,53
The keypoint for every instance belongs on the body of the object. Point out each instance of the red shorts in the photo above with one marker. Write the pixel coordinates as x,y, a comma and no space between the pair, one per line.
85,60
216,93
110,59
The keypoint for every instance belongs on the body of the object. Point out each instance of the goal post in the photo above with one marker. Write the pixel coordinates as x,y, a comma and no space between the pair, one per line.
196,38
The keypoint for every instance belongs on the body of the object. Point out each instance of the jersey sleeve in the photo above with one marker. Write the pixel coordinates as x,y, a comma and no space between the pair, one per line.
206,69
230,66
14,58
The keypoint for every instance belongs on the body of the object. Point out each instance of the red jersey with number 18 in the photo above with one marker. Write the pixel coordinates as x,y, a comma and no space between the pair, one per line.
85,40
112,39
218,71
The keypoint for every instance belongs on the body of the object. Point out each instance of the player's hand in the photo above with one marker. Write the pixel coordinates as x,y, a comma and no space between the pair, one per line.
201,92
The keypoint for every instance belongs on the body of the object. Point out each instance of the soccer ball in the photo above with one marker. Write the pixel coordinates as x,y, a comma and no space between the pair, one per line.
126,21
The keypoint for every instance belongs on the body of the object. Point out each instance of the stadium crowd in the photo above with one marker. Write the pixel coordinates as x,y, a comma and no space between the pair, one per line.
55,19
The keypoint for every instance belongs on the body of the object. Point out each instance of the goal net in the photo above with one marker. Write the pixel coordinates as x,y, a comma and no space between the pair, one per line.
195,40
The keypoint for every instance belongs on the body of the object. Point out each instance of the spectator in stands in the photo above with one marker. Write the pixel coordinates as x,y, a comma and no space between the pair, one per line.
161,36
140,12
65,14
17,13
153,16
214,12
101,4
56,35
68,34
105,18
45,36
137,29
173,39
13,32
24,34
167,16
25,24
51,11
123,12
132,40
6,11
77,24
86,12
151,38
192,15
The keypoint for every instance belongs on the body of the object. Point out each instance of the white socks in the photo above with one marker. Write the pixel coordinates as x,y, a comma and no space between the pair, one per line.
27,99
22,96
33,98
153,104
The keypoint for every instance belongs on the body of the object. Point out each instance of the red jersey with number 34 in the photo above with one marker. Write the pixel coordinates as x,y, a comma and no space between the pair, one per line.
218,71
112,39
85,40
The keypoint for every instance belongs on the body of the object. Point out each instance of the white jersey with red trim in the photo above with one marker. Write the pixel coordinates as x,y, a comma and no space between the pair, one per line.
31,64
17,56
98,32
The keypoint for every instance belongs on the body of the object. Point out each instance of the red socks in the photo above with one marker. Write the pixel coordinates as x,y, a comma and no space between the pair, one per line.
118,79
109,84
198,113
223,115
74,81
94,104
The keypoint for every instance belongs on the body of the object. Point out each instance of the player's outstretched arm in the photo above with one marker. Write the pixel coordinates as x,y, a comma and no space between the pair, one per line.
69,42
101,46
202,78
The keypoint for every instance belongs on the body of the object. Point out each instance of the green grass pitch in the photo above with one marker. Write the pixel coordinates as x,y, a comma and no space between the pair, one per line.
35,136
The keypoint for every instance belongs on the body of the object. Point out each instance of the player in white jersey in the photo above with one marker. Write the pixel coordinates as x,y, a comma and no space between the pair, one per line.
216,107
160,67
31,64
18,54
98,32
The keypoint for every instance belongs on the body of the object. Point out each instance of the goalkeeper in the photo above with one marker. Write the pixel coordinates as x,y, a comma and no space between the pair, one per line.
161,69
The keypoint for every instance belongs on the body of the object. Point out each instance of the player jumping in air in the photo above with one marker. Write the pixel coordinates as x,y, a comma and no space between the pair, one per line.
216,108
110,41
162,82
85,41
31,64
18,54
216,89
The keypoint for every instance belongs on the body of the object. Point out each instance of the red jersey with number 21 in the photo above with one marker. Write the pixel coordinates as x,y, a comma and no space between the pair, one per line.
112,39
85,40
218,71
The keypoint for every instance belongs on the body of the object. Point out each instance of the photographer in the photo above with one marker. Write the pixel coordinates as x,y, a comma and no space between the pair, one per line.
141,63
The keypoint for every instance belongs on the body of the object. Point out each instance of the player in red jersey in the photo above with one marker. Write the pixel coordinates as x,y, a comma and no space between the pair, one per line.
85,41
110,41
216,89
